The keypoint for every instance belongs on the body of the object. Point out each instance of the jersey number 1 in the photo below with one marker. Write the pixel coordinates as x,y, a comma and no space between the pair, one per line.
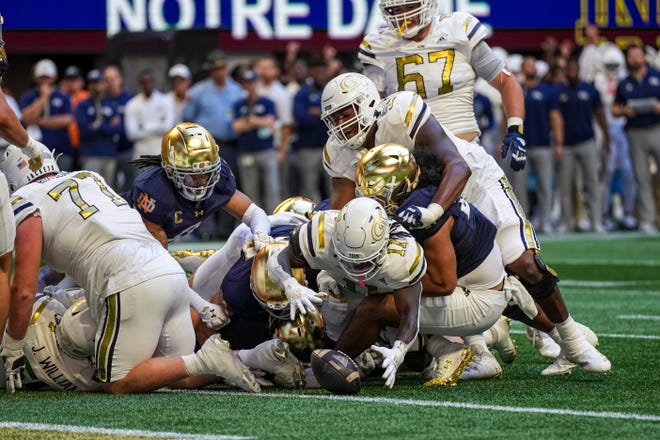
415,77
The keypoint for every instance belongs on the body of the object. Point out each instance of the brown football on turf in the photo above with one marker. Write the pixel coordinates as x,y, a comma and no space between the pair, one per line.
336,372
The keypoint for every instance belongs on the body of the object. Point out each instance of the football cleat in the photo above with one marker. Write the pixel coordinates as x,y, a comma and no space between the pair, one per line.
217,358
274,357
585,355
483,365
502,341
543,343
559,367
449,361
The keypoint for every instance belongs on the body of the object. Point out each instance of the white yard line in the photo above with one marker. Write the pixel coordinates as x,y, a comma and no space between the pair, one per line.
111,431
640,317
445,404
604,262
613,284
604,335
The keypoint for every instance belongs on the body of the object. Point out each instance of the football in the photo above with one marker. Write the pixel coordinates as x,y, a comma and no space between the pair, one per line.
335,371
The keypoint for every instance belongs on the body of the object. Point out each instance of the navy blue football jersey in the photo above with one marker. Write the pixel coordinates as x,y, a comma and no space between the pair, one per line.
472,235
154,196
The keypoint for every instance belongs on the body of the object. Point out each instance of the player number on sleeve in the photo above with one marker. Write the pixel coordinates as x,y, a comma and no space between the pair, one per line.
71,186
445,56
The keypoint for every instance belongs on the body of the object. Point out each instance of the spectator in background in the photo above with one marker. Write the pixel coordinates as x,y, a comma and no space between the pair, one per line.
115,92
580,104
483,111
180,80
269,86
254,121
606,80
148,116
212,106
100,124
73,85
312,133
295,71
544,127
50,110
638,98
590,57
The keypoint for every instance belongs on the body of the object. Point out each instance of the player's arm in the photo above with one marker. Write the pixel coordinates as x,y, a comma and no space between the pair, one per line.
441,273
456,171
10,127
28,247
243,208
343,191
157,231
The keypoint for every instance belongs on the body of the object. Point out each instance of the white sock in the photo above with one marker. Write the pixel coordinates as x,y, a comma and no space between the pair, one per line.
554,334
568,331
476,340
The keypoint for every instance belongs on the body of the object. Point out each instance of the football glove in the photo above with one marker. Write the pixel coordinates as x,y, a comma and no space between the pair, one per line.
33,151
327,284
418,217
392,360
514,141
261,240
214,316
300,297
14,362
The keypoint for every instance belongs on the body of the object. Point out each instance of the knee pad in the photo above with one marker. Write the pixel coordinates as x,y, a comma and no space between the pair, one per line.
546,286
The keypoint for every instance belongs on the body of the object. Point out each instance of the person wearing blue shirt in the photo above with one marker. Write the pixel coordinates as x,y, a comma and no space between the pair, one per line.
638,98
580,103
542,119
254,121
49,109
99,124
312,133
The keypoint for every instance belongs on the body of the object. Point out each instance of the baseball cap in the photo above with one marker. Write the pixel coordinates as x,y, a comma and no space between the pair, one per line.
215,60
46,68
72,72
94,75
248,75
180,70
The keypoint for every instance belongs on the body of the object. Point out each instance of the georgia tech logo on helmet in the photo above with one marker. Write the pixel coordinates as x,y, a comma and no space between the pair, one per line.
349,83
378,226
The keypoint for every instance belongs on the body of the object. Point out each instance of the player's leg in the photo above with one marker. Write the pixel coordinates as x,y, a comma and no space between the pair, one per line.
7,237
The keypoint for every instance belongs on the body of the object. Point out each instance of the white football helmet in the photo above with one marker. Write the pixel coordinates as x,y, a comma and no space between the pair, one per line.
346,92
402,21
16,166
76,332
360,238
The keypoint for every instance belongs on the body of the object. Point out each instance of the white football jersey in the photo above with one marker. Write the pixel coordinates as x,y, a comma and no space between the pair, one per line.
438,68
400,116
404,265
91,234
46,362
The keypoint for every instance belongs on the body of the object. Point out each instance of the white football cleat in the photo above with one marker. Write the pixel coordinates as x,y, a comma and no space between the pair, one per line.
543,343
502,341
274,357
559,367
217,358
449,361
483,366
588,334
585,355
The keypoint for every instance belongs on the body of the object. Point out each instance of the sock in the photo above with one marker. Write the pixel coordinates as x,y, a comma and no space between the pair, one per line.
193,365
476,340
568,331
554,334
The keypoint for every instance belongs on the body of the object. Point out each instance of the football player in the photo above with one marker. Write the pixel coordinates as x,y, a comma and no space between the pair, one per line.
13,132
188,183
402,118
439,58
137,294
369,256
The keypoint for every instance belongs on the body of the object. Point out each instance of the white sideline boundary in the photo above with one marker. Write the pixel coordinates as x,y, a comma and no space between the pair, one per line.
73,429
604,335
443,404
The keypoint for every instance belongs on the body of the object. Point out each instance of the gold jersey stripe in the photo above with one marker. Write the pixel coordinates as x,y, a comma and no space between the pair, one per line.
108,335
409,114
16,200
528,231
418,259
39,311
326,155
366,44
322,231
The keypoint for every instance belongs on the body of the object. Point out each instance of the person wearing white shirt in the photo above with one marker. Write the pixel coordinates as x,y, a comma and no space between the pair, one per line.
180,80
148,116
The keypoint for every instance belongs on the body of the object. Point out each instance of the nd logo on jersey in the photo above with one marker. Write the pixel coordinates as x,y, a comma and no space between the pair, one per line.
145,203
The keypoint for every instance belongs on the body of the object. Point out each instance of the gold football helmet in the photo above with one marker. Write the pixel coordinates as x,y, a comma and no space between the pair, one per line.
4,63
298,205
191,160
268,294
388,173
304,335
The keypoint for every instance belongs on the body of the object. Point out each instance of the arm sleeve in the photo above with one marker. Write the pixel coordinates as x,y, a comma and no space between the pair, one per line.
257,219
485,62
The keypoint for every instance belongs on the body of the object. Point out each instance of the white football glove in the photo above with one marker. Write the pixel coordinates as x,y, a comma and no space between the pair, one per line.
14,361
261,240
214,316
300,297
418,217
392,360
327,284
33,151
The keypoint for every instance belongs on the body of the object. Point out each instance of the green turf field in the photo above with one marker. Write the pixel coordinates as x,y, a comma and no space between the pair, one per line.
611,284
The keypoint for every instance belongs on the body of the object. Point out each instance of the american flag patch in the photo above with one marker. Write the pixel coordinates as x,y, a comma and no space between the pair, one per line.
22,164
